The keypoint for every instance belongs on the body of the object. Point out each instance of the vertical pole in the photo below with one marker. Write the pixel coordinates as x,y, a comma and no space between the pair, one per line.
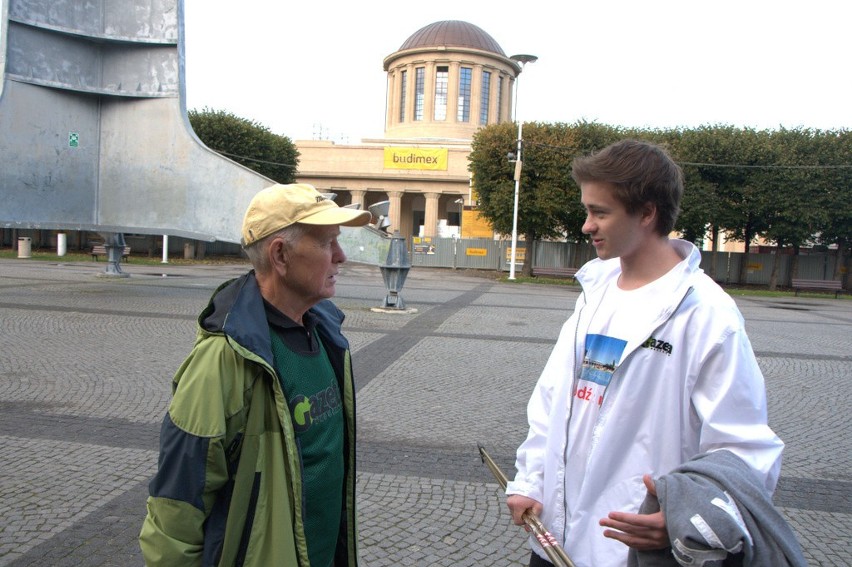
518,166
165,249
522,60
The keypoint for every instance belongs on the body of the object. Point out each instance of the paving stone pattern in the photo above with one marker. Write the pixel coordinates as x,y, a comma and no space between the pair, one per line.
86,364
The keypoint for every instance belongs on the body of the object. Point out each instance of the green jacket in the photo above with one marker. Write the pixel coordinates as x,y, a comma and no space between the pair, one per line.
228,487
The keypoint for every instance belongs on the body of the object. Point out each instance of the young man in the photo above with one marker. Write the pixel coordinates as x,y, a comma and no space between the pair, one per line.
652,369
257,450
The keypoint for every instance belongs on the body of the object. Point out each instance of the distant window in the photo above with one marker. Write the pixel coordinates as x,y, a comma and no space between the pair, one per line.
403,84
485,97
464,94
499,97
442,80
419,90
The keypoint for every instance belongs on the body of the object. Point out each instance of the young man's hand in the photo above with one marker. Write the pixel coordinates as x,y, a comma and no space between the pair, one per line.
639,531
519,504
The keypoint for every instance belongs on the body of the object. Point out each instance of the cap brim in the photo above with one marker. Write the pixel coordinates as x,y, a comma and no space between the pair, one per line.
338,215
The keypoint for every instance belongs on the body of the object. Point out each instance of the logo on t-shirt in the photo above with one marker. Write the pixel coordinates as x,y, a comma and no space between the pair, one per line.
320,406
658,345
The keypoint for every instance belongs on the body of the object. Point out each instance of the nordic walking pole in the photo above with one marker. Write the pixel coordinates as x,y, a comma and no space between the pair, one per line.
551,547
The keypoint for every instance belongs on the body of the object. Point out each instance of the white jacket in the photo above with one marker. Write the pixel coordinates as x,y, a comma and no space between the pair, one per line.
688,383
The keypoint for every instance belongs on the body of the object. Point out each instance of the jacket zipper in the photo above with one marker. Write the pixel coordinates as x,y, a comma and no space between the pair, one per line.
574,384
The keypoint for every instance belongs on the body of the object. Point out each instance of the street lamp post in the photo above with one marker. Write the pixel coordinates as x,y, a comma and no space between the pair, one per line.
523,60
458,235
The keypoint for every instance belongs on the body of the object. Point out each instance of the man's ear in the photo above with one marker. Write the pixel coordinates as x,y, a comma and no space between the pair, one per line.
649,214
277,254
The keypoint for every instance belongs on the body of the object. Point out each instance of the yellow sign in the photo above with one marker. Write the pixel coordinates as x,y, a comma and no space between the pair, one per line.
416,158
520,253
476,251
475,225
422,245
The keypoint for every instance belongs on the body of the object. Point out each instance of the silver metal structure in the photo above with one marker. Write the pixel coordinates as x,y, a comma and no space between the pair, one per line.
93,127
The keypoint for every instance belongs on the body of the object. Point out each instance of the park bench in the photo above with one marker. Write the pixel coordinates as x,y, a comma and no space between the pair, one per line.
829,285
100,250
554,272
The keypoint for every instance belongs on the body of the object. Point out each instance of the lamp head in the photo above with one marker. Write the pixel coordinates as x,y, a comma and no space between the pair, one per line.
380,212
524,58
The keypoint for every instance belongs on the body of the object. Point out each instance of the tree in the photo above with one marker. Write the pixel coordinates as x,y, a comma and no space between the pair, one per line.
247,143
549,200
792,194
723,159
836,148
540,191
790,186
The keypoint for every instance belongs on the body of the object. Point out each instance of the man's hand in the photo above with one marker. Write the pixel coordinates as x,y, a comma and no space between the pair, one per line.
519,504
639,531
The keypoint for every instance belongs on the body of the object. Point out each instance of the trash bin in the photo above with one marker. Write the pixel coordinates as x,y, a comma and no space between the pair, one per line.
61,244
25,247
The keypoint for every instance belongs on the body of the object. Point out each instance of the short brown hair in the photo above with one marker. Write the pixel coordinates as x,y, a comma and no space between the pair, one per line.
642,173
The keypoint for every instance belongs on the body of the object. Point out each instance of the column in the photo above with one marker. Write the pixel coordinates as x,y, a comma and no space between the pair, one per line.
429,93
476,95
357,197
395,210
506,103
511,97
493,108
392,103
410,92
430,222
453,92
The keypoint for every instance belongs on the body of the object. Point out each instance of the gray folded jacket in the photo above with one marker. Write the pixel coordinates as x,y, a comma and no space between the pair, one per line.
718,514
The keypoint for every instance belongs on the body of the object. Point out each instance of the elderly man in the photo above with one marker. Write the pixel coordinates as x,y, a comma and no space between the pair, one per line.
257,450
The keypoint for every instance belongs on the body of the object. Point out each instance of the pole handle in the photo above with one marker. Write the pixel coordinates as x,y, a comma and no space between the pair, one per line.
551,546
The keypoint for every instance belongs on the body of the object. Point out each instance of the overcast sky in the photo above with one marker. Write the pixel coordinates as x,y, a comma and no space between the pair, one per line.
646,63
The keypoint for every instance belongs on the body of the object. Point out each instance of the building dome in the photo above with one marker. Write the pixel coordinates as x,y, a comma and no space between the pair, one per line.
446,81
452,33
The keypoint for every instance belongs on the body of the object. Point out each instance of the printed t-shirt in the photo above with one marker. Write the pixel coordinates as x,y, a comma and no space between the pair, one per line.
612,321
316,409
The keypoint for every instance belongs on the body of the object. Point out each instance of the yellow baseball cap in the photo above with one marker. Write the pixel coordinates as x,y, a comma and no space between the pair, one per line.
279,206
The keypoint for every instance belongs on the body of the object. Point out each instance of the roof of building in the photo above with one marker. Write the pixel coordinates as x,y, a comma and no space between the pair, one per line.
452,33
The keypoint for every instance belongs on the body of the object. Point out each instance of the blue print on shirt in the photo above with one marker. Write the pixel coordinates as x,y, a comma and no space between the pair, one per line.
601,357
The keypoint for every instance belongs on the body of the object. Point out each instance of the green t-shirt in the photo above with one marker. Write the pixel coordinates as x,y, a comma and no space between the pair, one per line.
316,409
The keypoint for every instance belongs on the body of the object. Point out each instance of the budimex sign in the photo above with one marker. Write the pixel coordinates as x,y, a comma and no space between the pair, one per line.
416,158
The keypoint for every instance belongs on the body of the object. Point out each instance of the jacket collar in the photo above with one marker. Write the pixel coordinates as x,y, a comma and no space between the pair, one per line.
236,309
597,272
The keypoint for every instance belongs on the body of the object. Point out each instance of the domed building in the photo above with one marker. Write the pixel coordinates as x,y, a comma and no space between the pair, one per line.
468,75
446,81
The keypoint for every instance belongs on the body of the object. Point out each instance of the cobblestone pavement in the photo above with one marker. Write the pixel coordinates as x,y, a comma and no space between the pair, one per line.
86,363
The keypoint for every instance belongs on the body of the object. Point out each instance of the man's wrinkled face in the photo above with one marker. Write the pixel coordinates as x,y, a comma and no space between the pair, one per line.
313,264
